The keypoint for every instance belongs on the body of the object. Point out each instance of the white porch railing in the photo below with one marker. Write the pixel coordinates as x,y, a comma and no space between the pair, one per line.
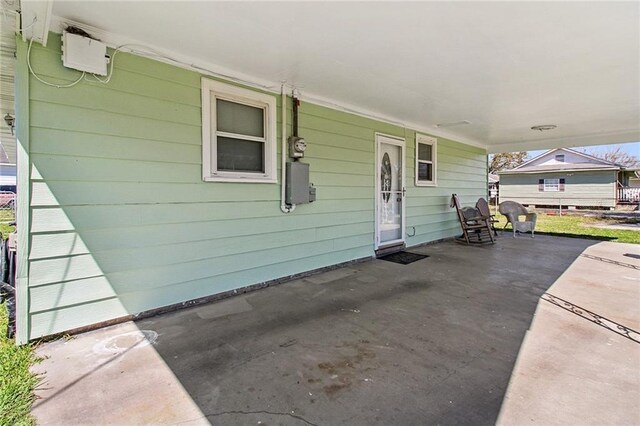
629,195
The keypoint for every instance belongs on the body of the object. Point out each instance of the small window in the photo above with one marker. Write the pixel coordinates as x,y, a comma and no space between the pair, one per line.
238,134
426,160
551,185
560,158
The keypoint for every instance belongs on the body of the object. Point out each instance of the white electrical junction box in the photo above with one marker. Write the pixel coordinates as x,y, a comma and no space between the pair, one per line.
84,54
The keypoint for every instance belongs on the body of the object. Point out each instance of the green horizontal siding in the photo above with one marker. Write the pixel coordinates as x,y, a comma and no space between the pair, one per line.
122,222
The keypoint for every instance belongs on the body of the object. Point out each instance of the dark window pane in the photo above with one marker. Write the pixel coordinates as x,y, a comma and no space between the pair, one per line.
237,155
424,152
240,119
425,171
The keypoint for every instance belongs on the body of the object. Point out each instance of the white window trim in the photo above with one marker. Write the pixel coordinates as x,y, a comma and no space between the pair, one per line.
215,89
427,140
547,187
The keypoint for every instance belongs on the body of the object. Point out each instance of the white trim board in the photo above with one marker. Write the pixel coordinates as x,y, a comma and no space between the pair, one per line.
36,20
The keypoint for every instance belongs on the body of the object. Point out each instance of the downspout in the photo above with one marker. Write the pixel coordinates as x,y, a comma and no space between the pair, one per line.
283,175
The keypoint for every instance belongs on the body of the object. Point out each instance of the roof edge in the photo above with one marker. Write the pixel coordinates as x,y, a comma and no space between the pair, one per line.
530,172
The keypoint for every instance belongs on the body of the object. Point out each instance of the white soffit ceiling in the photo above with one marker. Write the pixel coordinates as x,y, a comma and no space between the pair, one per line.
503,66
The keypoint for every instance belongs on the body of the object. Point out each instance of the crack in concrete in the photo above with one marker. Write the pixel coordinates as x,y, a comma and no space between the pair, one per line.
222,413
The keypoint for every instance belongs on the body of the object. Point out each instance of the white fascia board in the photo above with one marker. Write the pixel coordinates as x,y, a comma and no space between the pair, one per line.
58,24
36,20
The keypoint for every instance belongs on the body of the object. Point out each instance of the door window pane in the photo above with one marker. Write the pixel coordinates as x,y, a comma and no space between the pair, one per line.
239,155
390,204
239,119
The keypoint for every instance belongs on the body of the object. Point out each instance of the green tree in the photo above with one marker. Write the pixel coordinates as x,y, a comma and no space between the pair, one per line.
506,160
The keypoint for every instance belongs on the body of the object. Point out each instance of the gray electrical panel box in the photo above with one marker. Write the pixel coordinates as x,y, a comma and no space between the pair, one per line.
298,190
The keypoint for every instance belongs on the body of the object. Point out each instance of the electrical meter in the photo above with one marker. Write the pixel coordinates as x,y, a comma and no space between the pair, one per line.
297,146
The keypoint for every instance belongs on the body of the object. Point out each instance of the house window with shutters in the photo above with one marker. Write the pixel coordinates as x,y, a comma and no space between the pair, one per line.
551,185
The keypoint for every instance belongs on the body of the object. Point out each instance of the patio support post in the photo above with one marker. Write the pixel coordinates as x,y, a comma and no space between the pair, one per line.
23,211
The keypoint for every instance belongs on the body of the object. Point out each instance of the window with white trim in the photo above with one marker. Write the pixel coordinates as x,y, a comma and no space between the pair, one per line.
426,160
560,158
238,134
551,185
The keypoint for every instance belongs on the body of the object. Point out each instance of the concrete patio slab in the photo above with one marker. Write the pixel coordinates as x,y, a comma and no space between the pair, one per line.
110,376
575,364
433,342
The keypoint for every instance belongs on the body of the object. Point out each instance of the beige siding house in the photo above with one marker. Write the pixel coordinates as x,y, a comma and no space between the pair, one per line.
564,177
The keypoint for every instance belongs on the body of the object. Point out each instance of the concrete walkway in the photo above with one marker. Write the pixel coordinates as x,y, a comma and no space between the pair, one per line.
433,342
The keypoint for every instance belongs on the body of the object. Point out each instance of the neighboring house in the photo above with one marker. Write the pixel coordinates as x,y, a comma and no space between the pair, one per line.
629,186
567,178
7,177
634,177
123,216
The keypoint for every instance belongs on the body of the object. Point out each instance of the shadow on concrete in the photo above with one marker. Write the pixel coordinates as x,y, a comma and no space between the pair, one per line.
378,342
507,232
581,236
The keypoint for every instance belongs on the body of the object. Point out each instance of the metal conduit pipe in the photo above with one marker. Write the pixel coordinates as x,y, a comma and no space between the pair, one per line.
283,175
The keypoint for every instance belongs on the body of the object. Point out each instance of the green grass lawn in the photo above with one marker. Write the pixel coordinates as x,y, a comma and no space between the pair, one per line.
6,230
6,215
580,227
17,383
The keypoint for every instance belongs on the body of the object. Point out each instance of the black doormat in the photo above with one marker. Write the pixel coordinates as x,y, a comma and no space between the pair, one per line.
403,257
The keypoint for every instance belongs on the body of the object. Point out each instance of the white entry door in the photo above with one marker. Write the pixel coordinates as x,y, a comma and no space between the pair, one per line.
390,191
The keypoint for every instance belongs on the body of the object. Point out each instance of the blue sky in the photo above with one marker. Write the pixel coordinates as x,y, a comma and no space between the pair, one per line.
632,148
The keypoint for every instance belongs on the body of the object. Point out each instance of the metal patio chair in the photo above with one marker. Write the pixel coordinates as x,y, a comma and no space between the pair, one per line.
476,228
513,212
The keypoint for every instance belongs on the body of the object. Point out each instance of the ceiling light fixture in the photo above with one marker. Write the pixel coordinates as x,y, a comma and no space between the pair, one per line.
456,123
543,127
